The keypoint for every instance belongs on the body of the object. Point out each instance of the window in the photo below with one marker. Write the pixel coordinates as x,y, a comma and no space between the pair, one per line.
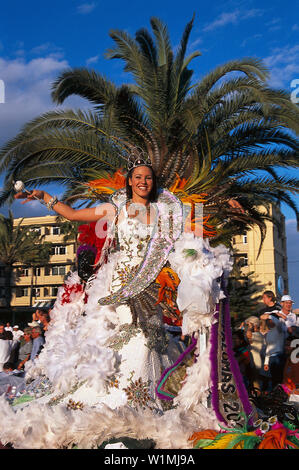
244,260
22,292
37,271
58,271
36,229
46,291
24,272
35,292
234,240
244,237
2,292
56,230
47,270
58,250
2,274
54,291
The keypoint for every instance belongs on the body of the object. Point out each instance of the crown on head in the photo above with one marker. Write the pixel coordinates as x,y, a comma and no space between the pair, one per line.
138,158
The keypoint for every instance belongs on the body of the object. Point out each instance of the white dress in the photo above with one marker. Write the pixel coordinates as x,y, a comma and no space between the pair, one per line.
97,355
103,357
139,363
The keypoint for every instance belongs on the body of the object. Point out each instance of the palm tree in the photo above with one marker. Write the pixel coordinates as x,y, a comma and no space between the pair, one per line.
19,244
69,230
224,136
244,293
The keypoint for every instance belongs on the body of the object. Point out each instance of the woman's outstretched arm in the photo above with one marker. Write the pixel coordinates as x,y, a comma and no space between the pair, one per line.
91,214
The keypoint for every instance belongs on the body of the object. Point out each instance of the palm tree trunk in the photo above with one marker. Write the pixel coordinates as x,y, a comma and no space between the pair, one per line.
31,287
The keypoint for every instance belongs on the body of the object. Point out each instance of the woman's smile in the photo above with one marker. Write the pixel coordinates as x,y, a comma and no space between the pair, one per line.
142,181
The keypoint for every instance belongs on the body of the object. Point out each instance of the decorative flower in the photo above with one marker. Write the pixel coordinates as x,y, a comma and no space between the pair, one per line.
137,394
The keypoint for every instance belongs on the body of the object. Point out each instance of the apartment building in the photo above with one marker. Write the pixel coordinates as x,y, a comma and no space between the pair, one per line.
270,268
39,285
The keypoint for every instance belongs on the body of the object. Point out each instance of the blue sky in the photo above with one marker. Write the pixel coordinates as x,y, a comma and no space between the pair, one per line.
40,39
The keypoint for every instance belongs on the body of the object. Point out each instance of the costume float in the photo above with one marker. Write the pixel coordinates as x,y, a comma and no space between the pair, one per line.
109,371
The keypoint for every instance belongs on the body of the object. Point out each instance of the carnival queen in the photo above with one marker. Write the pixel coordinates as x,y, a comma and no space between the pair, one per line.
107,347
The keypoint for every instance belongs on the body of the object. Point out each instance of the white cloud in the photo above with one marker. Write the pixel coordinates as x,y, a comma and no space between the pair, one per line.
274,24
28,91
234,17
195,43
86,8
284,65
246,41
47,48
92,60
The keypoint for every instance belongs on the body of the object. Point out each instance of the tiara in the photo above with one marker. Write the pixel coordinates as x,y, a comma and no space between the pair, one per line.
139,158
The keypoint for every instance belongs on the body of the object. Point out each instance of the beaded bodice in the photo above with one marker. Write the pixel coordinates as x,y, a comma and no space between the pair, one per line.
133,239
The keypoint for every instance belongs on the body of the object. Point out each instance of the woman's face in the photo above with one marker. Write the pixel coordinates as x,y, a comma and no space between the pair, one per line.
142,181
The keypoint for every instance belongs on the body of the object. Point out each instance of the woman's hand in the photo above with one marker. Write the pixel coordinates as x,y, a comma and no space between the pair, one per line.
35,194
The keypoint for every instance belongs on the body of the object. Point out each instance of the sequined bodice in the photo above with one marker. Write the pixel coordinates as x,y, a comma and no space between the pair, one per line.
133,238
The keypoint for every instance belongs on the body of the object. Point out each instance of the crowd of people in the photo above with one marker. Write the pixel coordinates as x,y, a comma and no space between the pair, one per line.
265,348
19,346
262,345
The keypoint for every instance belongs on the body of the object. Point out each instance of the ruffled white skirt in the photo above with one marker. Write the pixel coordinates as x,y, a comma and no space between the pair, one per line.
94,355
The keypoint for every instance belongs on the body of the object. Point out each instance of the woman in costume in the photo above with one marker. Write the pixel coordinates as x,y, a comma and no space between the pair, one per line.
107,352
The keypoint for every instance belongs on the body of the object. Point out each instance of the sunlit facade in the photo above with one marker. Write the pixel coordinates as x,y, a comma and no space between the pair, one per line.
39,285
270,268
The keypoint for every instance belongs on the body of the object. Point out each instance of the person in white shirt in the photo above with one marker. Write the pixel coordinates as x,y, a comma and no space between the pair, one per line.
17,333
5,346
286,314
8,327
275,347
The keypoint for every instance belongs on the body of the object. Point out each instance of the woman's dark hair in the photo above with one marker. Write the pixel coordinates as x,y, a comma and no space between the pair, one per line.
46,316
154,192
270,294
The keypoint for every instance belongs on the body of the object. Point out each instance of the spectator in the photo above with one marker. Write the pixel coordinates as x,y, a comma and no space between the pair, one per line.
241,352
37,319
38,342
45,320
8,327
25,349
11,381
275,344
17,333
286,314
35,315
271,305
257,343
5,334
34,323
5,345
